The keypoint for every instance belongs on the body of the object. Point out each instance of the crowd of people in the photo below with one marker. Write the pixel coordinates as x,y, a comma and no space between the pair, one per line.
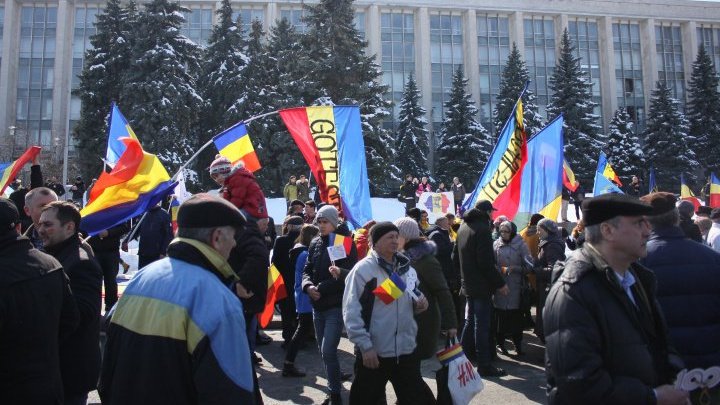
635,300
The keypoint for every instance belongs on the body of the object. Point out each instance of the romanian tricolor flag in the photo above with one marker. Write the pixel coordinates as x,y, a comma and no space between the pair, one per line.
136,183
687,194
276,292
569,180
500,181
542,179
604,177
714,197
330,139
234,143
118,128
390,289
174,207
339,240
8,171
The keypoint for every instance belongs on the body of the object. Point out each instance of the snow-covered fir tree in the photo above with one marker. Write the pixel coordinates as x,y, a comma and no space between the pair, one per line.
464,143
703,111
623,146
412,133
572,97
160,84
667,142
105,63
346,75
220,81
514,76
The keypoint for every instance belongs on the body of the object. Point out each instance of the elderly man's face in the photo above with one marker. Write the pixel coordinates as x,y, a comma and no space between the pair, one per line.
263,224
388,244
629,237
33,207
223,240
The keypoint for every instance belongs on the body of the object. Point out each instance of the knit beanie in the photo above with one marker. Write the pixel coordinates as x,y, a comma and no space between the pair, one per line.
330,213
221,165
407,228
548,225
381,228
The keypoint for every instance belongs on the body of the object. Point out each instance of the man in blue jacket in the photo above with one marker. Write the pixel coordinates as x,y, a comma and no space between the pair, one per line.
688,276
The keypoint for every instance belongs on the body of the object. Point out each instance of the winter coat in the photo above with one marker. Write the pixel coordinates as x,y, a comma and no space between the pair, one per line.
407,194
298,257
18,196
443,254
514,257
244,192
316,271
303,191
550,250
155,233
281,258
473,255
362,243
389,329
423,188
189,339
110,243
688,277
290,192
458,191
600,348
250,260
441,310
80,352
37,312
690,229
532,240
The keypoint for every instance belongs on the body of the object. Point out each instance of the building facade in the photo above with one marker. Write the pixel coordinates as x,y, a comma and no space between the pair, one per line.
625,47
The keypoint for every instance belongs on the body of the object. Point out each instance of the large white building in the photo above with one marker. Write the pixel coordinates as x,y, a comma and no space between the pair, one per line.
625,46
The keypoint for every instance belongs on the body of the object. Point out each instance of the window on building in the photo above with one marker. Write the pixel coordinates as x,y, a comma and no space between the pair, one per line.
198,24
446,55
671,70
359,21
540,57
628,71
35,74
294,16
247,15
85,18
397,38
584,34
493,38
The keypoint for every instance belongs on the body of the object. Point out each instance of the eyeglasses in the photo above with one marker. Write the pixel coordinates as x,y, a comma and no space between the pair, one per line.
505,232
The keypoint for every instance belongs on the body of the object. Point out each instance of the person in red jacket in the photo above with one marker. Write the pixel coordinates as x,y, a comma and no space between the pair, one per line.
239,186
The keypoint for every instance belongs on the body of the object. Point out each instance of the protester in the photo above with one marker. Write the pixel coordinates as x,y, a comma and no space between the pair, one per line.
77,190
703,211
686,209
19,195
155,233
324,282
290,191
550,250
454,223
309,212
440,234
80,352
424,222
407,193
281,259
422,187
577,197
458,191
37,313
243,191
35,200
606,338
688,279
106,246
303,188
713,237
634,188
704,224
440,314
531,235
298,256
296,208
56,186
473,256
362,242
441,188
577,237
207,360
384,331
496,226
513,263
565,201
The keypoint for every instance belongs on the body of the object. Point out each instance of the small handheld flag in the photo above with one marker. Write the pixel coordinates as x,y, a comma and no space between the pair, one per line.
714,191
276,291
234,143
340,240
390,289
8,171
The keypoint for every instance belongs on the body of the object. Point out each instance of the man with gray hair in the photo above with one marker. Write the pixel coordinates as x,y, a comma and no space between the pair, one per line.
606,337
688,275
35,200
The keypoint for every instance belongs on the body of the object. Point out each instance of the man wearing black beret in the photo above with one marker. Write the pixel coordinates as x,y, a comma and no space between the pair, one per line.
179,324
606,337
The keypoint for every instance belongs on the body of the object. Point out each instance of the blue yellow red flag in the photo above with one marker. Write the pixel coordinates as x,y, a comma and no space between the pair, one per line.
136,183
714,198
276,291
118,128
234,143
346,242
687,194
569,180
391,289
603,183
8,171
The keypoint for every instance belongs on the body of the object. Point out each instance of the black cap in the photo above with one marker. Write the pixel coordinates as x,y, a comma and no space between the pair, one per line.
9,215
380,229
715,214
206,211
704,210
608,206
485,205
296,202
661,202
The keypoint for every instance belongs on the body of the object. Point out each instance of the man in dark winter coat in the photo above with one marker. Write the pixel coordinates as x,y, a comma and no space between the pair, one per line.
281,259
78,190
155,234
36,311
606,336
106,246
686,209
458,191
474,256
80,353
688,275
440,234
407,193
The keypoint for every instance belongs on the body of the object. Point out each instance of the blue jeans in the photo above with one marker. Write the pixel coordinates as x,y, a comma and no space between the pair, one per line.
477,327
251,329
328,327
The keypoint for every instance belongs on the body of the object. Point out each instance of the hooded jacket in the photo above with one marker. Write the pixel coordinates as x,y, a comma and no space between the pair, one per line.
473,255
514,256
391,329
243,191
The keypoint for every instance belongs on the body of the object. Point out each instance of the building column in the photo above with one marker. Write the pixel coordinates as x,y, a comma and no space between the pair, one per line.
372,33
608,79
649,59
63,73
8,70
517,31
271,14
470,61
423,73
688,31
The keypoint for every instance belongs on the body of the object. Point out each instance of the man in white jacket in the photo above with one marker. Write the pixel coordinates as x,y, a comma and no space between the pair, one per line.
379,321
